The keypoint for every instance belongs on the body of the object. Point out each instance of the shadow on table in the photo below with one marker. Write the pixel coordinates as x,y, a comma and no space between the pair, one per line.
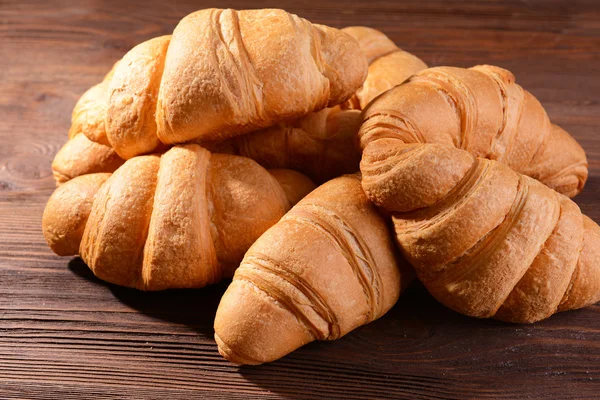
372,356
588,198
416,345
191,307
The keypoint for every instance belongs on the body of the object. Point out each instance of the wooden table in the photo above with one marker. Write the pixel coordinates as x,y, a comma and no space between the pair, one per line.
65,334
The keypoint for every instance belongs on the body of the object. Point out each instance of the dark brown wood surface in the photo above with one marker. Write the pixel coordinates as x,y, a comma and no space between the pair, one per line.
65,334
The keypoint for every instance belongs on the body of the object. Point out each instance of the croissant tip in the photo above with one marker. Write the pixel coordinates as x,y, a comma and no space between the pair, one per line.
232,356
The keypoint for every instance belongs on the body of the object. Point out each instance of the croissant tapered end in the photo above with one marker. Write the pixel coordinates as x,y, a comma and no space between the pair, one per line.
373,43
295,185
67,212
327,267
584,287
81,156
561,164
387,72
252,328
488,242
89,113
388,65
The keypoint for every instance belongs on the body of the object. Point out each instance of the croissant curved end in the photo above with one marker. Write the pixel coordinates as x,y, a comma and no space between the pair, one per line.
67,212
564,161
270,334
81,156
294,184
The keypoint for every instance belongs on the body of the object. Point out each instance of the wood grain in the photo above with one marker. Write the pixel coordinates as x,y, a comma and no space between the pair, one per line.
65,334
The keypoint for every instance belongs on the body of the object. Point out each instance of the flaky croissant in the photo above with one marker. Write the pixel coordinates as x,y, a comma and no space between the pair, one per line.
481,110
323,144
183,219
485,241
221,74
328,267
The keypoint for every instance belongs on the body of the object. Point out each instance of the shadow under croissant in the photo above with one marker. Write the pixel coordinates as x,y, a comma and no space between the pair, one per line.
415,333
586,200
419,344
194,308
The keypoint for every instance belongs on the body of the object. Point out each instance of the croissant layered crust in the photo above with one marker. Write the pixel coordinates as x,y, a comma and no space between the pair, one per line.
328,267
481,110
486,241
221,74
323,144
183,219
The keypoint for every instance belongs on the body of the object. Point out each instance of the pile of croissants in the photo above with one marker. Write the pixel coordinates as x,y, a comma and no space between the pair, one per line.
197,157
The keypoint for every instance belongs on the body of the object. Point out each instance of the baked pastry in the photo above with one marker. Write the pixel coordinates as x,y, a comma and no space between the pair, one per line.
221,74
481,110
81,156
328,267
183,219
322,144
485,240
389,65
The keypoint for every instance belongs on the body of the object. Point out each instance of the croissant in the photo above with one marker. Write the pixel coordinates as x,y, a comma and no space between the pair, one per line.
481,110
221,74
183,219
323,144
327,267
486,241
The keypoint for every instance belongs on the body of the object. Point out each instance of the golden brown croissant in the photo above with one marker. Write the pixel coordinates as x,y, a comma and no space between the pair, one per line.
328,267
221,74
481,110
183,219
323,144
485,241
